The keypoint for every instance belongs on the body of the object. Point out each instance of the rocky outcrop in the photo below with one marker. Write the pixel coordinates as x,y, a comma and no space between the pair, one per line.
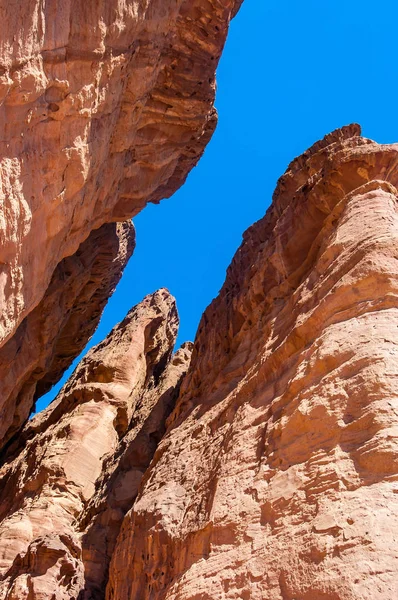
278,475
104,107
57,330
103,427
122,472
270,469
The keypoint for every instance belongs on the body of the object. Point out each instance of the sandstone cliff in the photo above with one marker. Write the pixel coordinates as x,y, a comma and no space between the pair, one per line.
56,331
278,476
269,470
104,107
84,456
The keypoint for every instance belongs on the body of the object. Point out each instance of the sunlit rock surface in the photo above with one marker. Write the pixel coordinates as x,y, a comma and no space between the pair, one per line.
104,107
278,476
85,455
123,471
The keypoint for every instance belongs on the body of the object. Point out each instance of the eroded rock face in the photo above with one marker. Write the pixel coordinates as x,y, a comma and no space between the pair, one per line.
105,106
104,425
123,471
278,476
57,330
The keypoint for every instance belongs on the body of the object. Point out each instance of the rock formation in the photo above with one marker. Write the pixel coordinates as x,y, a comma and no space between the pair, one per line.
278,476
122,472
104,107
269,468
85,455
57,330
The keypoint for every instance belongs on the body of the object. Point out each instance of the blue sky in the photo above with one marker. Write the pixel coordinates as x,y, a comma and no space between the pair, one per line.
290,73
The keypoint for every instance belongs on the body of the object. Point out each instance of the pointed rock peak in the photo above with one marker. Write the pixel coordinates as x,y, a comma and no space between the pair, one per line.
149,327
94,441
136,350
277,475
184,353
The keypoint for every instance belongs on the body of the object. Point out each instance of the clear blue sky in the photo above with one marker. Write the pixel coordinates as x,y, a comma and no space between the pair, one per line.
290,73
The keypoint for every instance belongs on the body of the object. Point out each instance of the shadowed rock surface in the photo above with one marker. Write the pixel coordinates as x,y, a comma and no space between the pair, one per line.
104,107
56,331
278,475
105,424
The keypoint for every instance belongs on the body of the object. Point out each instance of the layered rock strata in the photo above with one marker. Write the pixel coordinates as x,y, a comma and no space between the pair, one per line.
57,330
278,476
104,425
104,107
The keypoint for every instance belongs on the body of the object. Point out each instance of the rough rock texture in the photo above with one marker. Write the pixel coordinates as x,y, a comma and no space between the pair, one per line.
57,330
104,106
278,476
122,472
119,396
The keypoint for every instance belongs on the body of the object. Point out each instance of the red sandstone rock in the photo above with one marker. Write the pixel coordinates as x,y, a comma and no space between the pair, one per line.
106,421
123,470
104,107
57,330
278,476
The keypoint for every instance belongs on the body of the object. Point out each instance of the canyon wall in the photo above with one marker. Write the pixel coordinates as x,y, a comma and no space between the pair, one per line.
278,476
56,331
267,466
74,471
104,107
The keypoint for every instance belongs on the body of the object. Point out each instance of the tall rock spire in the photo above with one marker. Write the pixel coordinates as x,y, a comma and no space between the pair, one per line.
277,477
123,389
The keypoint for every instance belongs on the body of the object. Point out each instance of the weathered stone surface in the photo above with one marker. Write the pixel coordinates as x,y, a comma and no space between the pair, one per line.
278,476
119,395
104,107
122,472
57,330
51,568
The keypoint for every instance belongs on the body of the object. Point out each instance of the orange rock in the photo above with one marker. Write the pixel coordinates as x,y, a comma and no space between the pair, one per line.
57,330
104,107
278,476
121,392
123,471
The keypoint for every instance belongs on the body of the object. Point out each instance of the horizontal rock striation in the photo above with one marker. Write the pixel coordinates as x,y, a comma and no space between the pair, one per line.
85,455
278,476
104,107
56,331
